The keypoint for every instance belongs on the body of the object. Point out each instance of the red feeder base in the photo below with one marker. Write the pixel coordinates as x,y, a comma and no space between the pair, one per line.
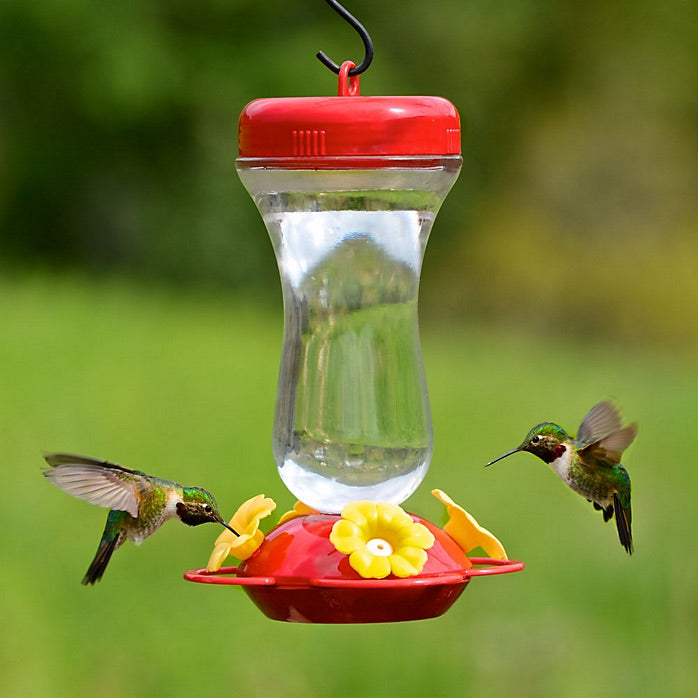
298,576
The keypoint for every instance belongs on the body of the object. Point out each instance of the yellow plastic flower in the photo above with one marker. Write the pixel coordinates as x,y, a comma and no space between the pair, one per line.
381,538
246,523
299,509
469,535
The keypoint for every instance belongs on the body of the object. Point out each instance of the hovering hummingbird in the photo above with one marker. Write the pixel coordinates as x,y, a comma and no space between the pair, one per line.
590,462
139,504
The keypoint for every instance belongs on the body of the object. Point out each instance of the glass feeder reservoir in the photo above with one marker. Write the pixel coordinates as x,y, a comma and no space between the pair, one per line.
348,188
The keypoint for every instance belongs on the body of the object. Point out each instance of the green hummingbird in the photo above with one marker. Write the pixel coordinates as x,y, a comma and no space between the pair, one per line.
139,504
589,463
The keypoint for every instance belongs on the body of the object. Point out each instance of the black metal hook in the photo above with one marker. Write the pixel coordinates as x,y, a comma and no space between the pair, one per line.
368,44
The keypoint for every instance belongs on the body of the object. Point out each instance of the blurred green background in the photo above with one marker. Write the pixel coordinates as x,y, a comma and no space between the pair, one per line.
141,322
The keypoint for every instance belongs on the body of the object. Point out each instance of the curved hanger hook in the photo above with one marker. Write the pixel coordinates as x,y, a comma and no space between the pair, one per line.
368,44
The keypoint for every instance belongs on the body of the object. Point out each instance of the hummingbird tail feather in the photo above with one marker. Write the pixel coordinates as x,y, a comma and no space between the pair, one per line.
623,524
101,560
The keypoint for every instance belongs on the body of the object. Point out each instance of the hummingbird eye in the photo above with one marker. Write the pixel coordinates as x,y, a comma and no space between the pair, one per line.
535,439
208,508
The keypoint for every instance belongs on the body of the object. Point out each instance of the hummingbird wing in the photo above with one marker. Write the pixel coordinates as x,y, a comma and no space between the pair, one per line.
608,450
601,420
618,441
99,482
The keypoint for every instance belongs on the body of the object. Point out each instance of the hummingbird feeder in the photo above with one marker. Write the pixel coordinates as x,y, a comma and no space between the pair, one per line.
348,188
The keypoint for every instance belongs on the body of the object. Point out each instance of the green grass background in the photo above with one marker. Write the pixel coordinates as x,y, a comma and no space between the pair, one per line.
184,387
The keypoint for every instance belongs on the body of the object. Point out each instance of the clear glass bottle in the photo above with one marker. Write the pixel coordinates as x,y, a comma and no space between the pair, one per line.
349,229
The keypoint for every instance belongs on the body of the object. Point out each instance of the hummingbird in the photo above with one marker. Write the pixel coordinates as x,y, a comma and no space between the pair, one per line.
589,463
139,504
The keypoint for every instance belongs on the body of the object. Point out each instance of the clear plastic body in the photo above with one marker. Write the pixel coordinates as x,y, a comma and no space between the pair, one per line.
352,415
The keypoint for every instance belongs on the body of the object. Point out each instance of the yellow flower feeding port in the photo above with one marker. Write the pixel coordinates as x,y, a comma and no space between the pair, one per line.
381,539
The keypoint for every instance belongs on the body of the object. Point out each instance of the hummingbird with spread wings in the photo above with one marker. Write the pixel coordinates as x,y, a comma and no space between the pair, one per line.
139,504
589,463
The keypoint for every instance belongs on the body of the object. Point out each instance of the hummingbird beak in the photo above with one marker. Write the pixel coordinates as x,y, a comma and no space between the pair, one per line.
230,528
508,453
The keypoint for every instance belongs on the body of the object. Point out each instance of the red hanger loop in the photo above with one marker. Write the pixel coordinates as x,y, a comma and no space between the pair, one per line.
348,85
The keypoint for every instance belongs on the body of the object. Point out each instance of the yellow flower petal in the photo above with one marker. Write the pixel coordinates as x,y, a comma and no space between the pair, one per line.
369,565
246,523
246,544
417,535
408,561
226,537
361,513
246,518
299,509
392,516
346,536
220,552
466,531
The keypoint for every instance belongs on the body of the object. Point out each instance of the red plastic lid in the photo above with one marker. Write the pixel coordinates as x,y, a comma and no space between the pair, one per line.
314,131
